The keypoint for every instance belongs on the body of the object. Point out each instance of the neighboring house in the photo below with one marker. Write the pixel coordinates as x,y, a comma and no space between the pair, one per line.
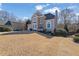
12,25
18,26
42,22
5,24
8,25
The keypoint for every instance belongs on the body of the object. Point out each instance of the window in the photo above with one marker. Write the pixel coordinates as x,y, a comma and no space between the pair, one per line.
34,19
48,25
35,26
41,26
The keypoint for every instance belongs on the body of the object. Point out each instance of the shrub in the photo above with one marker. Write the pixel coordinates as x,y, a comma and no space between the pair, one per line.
77,31
77,35
48,32
44,31
7,29
76,39
61,32
3,29
30,29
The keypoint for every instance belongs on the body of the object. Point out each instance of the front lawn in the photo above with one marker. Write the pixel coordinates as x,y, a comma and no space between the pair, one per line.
36,44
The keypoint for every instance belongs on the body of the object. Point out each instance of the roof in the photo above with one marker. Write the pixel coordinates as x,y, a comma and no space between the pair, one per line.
49,16
8,23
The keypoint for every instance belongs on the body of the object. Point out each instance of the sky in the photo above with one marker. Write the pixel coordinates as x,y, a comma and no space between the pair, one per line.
26,10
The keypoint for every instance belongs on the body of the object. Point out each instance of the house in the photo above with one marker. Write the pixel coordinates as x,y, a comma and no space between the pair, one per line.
12,25
5,25
18,26
8,25
43,22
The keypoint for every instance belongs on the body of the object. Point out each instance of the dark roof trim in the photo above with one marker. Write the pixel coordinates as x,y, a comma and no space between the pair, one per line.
49,16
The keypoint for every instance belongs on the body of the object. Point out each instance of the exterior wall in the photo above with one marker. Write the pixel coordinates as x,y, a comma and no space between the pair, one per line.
48,25
52,25
44,23
37,23
41,23
17,25
34,23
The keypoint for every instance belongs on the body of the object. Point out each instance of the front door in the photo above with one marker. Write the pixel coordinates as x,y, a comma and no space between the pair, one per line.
34,26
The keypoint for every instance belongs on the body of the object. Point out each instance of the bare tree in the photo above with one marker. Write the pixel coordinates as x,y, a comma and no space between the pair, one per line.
6,16
68,16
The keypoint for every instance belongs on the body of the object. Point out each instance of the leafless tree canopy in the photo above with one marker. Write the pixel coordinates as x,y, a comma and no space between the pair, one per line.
6,16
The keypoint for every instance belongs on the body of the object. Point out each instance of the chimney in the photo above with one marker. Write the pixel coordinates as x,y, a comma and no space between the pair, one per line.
56,18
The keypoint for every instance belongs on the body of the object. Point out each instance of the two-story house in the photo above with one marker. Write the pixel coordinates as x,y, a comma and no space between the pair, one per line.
43,22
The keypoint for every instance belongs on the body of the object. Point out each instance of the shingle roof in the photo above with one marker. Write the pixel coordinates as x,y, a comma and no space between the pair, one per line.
49,16
8,23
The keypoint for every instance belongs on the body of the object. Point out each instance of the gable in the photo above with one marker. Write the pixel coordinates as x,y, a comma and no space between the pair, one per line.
49,16
8,23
